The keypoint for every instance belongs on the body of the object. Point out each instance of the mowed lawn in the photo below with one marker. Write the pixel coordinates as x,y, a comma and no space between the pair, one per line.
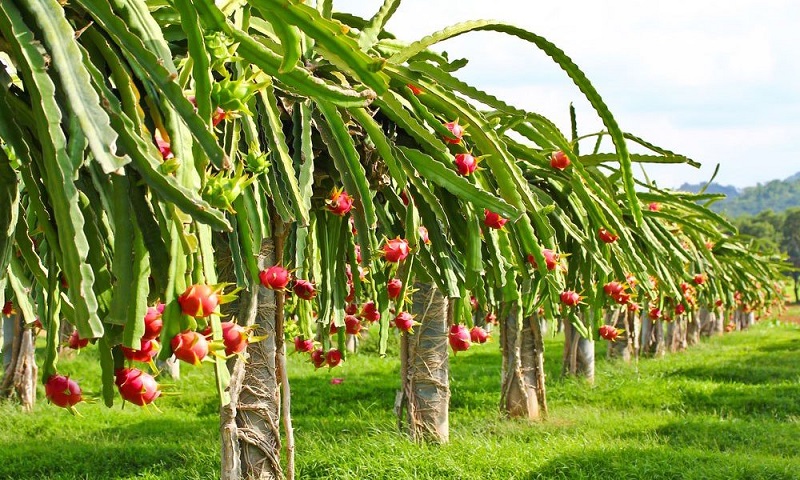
727,409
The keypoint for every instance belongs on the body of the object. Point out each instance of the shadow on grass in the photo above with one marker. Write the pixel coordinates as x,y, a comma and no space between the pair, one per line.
154,446
792,345
776,365
660,463
746,437
315,396
473,374
777,401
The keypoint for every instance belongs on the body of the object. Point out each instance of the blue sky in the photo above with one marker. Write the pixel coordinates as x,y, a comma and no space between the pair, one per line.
718,81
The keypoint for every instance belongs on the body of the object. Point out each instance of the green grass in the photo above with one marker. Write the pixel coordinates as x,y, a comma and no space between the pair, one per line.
727,409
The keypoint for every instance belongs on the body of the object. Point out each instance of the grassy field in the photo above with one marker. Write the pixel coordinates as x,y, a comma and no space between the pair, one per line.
727,409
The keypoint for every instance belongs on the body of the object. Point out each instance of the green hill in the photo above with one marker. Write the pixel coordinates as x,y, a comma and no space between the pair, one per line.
776,195
729,190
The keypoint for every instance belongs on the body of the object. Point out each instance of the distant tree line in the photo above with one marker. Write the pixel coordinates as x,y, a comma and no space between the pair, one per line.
776,195
775,232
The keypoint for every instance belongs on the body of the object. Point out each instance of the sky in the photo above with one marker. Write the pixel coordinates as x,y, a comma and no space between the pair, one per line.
717,81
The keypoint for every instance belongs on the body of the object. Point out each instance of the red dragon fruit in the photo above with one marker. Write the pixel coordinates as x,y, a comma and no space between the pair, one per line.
478,335
136,386
415,89
551,259
606,237
609,333
493,220
235,338
456,130
199,301
333,358
352,325
153,322
318,358
404,322
304,289
466,164
395,250
189,346
559,160
393,288
459,338
275,277
62,391
303,346
570,298
146,353
369,312
76,342
340,203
